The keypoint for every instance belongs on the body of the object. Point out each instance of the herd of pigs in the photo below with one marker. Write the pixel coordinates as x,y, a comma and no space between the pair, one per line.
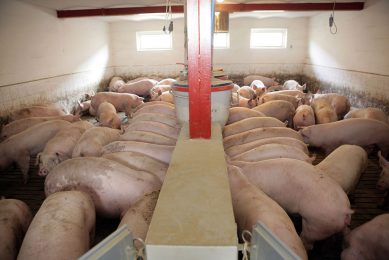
115,169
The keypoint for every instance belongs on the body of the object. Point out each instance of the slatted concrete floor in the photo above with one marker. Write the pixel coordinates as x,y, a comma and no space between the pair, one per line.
365,201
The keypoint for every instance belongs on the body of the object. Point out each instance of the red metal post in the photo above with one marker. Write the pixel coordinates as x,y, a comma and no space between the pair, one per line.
199,67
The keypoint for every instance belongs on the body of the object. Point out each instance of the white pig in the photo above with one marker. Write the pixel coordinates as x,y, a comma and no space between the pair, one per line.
107,116
115,83
292,84
123,102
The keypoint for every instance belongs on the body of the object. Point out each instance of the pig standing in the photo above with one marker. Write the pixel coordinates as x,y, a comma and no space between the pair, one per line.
247,92
15,218
140,88
92,141
123,102
240,101
369,112
345,165
63,228
275,96
112,186
368,241
38,111
324,112
18,148
107,116
358,131
115,84
251,205
20,125
339,103
383,182
60,147
292,84
268,82
303,117
258,87
280,109
301,188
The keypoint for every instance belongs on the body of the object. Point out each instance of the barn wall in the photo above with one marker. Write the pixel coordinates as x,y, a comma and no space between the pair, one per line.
238,59
355,60
45,59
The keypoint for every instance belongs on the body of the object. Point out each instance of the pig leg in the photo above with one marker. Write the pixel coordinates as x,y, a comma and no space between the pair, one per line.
24,164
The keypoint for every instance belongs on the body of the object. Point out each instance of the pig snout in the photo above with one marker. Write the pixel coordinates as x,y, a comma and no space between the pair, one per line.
43,172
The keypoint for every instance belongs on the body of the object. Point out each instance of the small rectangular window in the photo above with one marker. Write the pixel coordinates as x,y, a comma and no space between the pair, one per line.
221,40
268,38
153,41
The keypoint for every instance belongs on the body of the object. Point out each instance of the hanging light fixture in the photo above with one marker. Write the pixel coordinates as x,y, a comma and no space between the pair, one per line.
221,22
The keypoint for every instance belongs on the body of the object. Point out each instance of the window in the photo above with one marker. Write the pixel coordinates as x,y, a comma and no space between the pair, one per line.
268,38
221,40
153,41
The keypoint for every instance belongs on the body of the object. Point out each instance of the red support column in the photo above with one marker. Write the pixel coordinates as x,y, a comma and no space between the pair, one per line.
199,29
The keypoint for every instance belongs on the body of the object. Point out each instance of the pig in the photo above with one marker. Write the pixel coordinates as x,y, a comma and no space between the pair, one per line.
60,147
167,81
272,151
292,84
303,117
345,165
93,140
154,127
156,117
246,92
151,103
324,112
18,148
38,111
275,96
115,84
258,87
123,102
140,88
280,109
112,186
301,188
63,228
15,218
156,108
20,125
147,137
369,112
339,103
260,133
159,152
293,92
166,96
268,82
358,131
107,116
157,90
241,148
383,182
368,241
239,101
239,113
251,123
83,108
139,161
138,217
251,205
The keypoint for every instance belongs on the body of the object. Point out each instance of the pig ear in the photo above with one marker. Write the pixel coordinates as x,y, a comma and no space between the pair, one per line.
140,98
159,92
383,162
304,86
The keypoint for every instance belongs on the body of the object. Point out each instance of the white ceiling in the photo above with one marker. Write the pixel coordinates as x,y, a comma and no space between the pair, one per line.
89,4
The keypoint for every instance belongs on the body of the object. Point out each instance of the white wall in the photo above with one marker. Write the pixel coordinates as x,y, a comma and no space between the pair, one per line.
46,59
238,59
241,59
356,59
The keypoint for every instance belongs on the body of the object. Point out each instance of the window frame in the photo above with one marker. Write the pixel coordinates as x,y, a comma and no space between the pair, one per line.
139,35
228,41
283,45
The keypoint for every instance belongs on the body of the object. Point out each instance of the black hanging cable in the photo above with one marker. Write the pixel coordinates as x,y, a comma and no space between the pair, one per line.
332,20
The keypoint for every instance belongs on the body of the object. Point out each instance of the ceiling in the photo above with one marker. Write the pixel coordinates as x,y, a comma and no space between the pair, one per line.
91,4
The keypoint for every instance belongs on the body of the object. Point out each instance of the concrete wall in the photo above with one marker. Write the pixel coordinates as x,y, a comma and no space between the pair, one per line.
355,61
239,58
46,59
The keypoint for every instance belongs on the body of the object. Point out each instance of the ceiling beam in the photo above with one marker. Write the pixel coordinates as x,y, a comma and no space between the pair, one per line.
340,6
